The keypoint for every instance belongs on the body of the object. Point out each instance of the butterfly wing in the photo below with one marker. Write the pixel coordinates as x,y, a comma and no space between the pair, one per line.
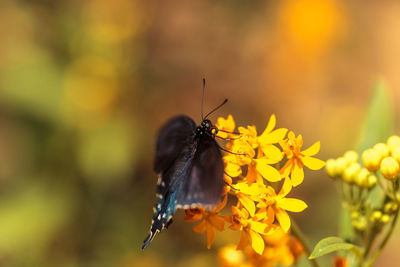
190,172
204,184
174,154
174,137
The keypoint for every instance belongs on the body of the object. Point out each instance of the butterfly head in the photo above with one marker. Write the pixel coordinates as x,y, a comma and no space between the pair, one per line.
206,127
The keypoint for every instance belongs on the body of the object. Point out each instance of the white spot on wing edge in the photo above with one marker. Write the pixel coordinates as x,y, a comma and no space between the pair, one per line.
159,178
196,205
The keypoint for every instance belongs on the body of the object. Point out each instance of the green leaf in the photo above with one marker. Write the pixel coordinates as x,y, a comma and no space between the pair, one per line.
379,117
328,245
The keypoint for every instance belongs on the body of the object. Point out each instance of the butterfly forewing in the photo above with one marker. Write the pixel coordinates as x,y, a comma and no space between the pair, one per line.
174,137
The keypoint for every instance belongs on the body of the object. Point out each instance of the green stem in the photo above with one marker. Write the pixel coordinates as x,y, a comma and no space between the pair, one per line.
385,240
303,240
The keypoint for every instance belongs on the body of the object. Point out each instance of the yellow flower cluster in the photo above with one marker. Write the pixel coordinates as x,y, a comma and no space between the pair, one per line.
281,248
255,167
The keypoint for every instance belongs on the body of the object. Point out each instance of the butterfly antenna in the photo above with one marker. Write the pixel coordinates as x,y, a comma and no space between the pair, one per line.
202,98
223,103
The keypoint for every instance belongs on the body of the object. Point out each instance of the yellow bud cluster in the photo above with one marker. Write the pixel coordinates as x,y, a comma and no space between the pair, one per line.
359,222
377,217
349,169
384,157
390,207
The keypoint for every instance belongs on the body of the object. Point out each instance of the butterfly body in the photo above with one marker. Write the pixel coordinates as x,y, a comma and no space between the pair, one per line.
189,165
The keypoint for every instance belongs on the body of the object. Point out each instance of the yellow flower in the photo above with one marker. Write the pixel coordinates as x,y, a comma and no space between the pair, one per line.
249,135
277,205
210,220
297,159
225,126
280,248
270,137
390,168
283,248
251,229
229,256
244,193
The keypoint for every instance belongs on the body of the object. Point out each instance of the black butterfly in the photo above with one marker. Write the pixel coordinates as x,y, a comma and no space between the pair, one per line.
190,170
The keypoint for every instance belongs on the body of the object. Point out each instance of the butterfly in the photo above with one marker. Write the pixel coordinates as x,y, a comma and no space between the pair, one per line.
189,166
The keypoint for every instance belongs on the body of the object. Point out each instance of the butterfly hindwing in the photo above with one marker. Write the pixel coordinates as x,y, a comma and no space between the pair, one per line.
204,184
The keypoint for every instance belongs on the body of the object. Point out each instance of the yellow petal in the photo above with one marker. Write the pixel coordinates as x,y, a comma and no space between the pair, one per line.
193,218
247,203
201,227
312,150
313,163
283,219
272,152
218,222
271,124
286,187
257,242
233,170
210,235
297,175
275,136
244,240
291,135
292,204
299,140
252,189
259,227
261,213
269,173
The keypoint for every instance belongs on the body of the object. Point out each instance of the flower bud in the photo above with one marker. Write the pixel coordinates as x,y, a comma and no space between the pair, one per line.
354,215
375,216
372,180
351,172
331,168
390,207
385,218
361,179
351,156
371,159
393,142
360,224
341,165
396,153
390,168
382,149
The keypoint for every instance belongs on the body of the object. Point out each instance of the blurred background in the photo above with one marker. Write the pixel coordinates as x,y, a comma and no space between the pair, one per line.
85,86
